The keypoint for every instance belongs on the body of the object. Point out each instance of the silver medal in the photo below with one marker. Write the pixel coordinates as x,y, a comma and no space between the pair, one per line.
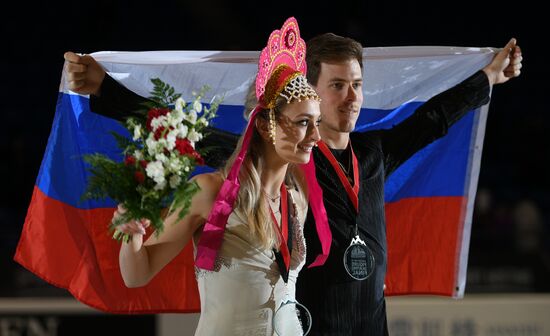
358,259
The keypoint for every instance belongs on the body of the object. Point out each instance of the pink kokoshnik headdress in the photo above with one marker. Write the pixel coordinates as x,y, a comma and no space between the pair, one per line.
281,73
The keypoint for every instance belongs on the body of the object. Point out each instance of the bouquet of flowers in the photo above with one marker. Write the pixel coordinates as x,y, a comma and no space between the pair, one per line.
158,159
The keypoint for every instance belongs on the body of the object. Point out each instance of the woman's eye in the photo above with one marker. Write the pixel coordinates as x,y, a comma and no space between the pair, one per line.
303,122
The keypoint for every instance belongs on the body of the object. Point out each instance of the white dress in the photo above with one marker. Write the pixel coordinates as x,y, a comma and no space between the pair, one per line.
242,294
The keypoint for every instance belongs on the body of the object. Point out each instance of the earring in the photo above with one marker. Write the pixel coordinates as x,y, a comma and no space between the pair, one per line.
272,126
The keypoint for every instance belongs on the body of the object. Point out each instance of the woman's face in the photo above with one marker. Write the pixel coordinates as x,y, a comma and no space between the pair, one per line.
297,130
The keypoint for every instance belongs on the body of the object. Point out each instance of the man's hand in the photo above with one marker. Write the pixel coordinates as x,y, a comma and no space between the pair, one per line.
505,65
84,74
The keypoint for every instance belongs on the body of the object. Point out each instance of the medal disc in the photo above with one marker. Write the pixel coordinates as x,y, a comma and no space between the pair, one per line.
292,318
358,260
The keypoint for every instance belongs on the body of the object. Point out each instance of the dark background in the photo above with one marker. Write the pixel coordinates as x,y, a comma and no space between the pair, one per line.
510,240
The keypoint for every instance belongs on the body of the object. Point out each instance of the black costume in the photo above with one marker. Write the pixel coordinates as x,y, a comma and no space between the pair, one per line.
339,304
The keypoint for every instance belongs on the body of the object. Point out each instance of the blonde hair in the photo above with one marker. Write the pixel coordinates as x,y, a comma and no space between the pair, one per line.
252,203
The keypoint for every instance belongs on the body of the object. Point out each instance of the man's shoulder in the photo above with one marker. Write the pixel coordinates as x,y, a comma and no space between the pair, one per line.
366,139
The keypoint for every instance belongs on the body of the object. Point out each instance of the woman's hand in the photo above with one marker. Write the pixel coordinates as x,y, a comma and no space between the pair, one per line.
132,227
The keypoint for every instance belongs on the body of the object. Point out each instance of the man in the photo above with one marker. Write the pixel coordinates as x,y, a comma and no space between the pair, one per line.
340,304
351,168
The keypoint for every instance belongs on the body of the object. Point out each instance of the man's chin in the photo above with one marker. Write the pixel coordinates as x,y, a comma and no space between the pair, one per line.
347,127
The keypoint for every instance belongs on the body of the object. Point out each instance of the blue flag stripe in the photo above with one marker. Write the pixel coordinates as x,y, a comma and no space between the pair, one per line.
77,131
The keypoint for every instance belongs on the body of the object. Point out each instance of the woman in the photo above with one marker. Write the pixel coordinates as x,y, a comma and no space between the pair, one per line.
253,270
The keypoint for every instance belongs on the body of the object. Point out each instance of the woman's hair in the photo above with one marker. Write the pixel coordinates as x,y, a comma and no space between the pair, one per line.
251,203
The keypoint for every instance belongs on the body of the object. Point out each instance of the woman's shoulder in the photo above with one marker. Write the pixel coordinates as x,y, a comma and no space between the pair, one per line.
209,186
209,183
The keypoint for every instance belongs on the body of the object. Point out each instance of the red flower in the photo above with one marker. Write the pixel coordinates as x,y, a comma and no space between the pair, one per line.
158,132
143,163
198,158
129,160
154,113
138,175
184,146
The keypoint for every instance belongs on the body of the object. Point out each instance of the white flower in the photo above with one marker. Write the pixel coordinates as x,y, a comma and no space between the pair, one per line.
175,181
203,121
182,131
191,117
174,165
175,118
163,143
160,157
137,132
160,185
159,121
138,155
197,106
155,170
180,104
151,144
194,136
171,139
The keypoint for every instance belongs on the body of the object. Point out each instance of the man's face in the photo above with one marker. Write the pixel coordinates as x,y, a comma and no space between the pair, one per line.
340,89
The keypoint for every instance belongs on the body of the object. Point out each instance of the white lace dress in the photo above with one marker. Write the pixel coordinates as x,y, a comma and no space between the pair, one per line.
241,296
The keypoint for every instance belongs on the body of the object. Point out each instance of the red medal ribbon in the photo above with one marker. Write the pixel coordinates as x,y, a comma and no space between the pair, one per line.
353,192
283,229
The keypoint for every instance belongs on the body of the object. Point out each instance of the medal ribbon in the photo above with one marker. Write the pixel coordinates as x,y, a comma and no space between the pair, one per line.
283,233
353,192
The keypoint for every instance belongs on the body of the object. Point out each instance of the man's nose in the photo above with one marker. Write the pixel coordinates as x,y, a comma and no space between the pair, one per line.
352,94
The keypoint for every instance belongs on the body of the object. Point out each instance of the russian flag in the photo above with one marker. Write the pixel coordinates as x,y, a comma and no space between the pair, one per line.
429,199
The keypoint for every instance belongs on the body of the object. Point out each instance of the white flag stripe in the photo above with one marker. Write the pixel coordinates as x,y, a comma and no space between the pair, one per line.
393,75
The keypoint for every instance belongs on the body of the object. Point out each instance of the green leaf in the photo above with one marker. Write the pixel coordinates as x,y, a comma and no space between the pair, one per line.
183,197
